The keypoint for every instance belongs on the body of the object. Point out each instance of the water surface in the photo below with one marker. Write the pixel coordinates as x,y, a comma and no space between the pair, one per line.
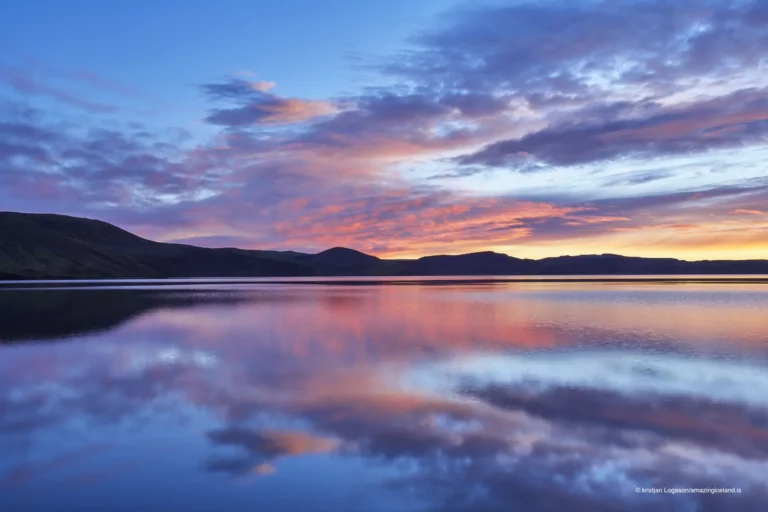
454,395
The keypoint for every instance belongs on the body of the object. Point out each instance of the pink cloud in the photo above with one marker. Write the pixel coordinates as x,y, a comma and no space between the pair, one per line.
740,211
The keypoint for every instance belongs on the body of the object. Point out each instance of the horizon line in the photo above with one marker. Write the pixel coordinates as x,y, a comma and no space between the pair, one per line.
448,254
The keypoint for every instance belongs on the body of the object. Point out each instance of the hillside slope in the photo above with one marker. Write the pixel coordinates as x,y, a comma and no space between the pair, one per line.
38,246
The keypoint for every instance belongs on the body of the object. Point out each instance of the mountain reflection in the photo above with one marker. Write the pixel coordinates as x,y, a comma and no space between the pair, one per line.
61,313
451,398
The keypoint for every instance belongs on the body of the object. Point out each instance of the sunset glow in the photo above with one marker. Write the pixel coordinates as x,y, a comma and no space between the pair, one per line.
532,128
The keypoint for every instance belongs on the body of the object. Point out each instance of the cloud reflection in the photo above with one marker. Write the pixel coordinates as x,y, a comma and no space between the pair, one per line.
483,397
262,448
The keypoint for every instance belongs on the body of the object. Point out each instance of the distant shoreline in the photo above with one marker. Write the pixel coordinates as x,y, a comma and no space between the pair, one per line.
37,247
382,281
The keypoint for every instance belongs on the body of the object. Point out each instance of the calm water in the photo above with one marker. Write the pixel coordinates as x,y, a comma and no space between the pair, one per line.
476,396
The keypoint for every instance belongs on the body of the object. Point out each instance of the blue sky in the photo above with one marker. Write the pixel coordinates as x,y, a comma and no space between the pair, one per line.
165,49
401,128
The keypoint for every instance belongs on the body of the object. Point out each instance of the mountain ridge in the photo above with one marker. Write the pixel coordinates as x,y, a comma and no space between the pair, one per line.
53,246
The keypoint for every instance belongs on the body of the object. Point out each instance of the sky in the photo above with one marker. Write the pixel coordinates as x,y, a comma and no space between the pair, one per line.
400,128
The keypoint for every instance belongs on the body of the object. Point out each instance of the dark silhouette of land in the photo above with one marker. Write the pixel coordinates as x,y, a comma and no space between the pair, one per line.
47,246
52,314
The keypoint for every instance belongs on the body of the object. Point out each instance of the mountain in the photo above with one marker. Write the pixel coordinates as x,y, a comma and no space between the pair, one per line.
473,264
47,246
340,260
614,264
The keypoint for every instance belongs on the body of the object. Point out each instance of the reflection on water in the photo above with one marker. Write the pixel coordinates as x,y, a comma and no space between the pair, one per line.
460,397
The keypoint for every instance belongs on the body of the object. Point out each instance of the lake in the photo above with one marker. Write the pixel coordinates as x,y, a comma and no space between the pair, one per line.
418,395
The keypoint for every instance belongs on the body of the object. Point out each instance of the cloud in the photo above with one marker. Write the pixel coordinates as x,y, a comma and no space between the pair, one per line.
22,82
585,408
651,44
134,178
257,105
259,192
273,443
95,167
736,120
263,86
640,178
265,469
262,448
391,125
30,66
684,77
739,211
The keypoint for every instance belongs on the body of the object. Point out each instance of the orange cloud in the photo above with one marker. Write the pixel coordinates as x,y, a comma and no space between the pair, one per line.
265,469
298,443
294,110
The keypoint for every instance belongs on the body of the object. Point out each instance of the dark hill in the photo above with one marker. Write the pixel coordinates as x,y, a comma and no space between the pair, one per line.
344,261
478,263
614,264
611,264
43,246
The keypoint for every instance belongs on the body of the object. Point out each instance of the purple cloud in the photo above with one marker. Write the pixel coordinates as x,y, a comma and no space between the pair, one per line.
558,46
736,120
257,105
21,82
567,61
